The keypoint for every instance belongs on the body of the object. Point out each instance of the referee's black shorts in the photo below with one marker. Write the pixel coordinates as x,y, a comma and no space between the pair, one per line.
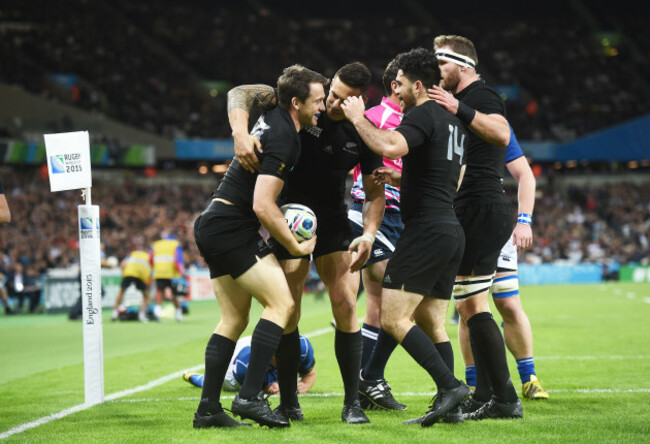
487,227
426,258
229,240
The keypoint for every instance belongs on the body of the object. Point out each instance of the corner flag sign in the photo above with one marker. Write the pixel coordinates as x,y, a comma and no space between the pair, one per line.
68,160
68,164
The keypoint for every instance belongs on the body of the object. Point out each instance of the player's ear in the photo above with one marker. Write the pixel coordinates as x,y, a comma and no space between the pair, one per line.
393,86
295,103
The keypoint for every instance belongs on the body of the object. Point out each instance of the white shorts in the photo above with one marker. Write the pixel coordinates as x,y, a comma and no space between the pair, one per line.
508,257
230,382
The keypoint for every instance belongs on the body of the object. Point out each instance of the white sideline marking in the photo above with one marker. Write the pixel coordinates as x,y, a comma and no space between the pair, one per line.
397,394
586,358
117,395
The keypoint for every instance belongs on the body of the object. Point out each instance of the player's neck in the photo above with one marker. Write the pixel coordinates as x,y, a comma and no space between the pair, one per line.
296,120
421,99
465,81
394,98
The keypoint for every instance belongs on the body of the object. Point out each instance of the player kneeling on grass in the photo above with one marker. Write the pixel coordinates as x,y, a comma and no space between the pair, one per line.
242,265
239,364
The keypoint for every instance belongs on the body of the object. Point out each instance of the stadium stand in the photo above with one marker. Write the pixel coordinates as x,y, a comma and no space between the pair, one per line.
164,66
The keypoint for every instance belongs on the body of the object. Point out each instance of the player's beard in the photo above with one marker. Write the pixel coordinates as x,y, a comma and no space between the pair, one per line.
407,100
451,80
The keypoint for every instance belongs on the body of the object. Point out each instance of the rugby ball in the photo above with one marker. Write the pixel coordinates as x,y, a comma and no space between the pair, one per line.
301,221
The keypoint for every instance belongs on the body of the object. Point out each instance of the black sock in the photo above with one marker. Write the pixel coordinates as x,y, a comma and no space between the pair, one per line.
422,349
347,347
447,354
287,357
483,390
218,354
374,369
369,335
490,353
264,342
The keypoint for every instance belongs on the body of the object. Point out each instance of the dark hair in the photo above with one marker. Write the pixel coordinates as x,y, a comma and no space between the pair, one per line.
294,82
420,64
355,75
389,75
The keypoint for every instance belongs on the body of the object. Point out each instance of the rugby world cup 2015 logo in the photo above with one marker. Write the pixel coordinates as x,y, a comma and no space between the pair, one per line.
58,164
87,225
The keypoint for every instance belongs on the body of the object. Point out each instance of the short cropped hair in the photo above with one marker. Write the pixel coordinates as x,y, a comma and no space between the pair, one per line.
461,45
294,82
389,75
355,75
420,64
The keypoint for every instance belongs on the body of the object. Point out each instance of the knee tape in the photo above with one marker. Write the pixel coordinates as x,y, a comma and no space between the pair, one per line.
505,287
471,286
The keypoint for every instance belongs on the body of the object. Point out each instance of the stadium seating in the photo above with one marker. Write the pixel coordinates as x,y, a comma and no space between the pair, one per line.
147,63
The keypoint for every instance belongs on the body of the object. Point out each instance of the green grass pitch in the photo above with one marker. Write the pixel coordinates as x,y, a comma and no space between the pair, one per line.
591,353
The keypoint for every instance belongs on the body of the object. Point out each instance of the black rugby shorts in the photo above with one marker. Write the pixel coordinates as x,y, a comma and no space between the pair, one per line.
229,240
333,232
487,228
426,259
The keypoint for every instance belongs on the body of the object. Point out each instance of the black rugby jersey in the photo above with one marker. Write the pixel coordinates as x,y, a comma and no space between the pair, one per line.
329,151
281,150
437,140
483,177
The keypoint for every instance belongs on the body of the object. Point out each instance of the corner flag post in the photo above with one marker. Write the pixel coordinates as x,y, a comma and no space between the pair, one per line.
68,162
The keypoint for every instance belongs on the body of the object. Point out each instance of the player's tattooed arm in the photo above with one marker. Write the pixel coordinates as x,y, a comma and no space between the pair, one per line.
257,97
241,101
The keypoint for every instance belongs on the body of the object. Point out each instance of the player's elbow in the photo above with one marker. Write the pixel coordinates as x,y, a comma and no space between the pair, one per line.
503,138
395,151
262,210
391,155
5,217
234,92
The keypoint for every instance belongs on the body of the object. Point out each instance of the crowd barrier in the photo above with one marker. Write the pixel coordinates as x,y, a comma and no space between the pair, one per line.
560,274
61,288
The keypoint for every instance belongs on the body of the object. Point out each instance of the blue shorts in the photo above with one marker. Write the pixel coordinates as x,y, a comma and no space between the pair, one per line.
386,237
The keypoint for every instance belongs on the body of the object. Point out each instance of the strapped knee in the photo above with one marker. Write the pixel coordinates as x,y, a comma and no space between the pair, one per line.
505,287
471,286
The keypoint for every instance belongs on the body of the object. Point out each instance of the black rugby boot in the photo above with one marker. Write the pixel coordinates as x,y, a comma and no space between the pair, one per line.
214,417
494,409
445,401
290,412
258,410
353,413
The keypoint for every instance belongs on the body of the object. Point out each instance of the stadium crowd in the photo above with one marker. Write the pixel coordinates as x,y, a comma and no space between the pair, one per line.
43,233
166,52
606,224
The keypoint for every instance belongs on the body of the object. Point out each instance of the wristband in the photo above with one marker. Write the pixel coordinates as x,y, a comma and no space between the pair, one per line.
465,113
525,218
367,237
